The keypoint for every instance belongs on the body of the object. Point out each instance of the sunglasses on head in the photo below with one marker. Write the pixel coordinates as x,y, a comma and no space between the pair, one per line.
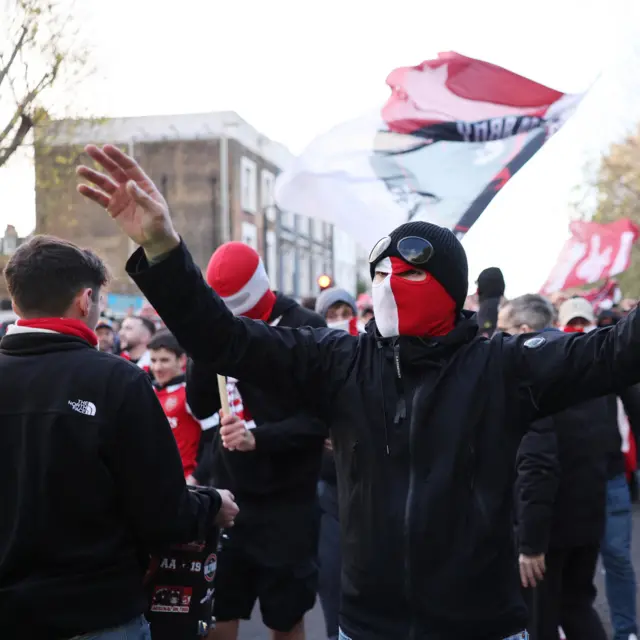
412,249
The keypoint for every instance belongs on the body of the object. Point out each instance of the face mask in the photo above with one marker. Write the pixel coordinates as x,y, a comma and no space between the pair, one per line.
578,329
410,308
339,325
350,326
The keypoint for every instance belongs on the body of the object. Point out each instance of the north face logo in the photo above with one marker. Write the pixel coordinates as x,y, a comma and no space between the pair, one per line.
84,407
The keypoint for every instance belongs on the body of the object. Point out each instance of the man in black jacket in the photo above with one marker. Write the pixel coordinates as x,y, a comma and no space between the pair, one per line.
426,418
270,459
560,496
89,469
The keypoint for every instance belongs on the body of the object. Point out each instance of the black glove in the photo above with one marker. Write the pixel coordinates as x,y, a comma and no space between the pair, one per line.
490,284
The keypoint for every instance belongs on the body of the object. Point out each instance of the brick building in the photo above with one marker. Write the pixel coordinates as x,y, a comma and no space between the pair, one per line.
191,158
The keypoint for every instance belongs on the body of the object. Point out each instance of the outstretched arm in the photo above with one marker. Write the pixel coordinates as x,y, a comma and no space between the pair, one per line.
306,362
556,370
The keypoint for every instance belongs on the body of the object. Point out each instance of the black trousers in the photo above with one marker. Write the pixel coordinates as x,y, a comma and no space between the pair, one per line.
565,597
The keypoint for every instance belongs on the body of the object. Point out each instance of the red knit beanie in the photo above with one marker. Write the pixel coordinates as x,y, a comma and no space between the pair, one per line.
236,273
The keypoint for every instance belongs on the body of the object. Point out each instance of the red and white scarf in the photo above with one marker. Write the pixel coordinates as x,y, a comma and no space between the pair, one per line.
64,326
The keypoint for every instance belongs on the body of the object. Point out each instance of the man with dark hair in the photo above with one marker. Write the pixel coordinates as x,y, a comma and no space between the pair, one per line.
168,364
89,470
425,415
135,334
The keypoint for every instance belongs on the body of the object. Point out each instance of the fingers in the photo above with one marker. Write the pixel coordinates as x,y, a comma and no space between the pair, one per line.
94,194
538,569
101,181
227,421
107,163
127,164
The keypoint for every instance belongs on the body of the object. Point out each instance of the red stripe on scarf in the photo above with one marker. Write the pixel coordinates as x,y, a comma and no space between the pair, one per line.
66,326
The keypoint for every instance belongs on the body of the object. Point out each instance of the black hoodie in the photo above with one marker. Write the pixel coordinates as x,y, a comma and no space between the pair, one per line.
91,481
275,485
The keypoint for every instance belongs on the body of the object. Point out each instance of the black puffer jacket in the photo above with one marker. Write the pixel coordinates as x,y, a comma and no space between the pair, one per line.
275,485
425,436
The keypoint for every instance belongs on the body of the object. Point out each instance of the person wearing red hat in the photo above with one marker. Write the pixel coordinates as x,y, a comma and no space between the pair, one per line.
270,458
426,415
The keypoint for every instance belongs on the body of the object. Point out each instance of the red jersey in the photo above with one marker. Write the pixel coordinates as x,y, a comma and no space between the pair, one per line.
186,428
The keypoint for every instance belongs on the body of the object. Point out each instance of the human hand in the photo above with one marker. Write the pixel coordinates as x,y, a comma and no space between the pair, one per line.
228,509
130,198
235,435
532,569
328,445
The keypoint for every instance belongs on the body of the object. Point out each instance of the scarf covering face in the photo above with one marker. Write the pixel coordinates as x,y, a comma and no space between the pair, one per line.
404,307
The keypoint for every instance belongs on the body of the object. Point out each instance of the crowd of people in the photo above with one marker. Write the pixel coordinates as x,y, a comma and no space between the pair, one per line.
429,470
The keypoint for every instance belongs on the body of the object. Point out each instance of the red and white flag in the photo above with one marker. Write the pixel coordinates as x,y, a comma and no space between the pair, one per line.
451,135
594,251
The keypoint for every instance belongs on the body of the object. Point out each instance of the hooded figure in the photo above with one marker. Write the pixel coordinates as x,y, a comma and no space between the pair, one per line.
425,418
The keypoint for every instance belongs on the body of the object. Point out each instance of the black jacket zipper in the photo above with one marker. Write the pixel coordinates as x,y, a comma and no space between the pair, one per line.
401,414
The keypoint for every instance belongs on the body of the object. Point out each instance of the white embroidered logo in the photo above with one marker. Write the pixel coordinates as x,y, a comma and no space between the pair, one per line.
84,407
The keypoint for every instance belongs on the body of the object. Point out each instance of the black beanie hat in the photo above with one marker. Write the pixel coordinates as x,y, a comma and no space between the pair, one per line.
448,264
491,284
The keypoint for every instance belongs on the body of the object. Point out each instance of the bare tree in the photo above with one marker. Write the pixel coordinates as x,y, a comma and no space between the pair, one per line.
39,49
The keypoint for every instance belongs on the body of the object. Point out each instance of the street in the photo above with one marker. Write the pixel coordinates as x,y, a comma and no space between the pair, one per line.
253,629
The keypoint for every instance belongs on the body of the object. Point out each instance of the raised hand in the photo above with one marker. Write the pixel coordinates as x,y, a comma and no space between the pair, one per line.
130,198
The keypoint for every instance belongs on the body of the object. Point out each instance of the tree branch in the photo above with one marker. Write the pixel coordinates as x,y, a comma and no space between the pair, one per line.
21,133
14,54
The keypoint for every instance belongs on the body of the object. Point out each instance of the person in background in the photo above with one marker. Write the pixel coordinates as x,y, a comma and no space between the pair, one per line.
365,308
491,289
577,314
338,308
135,334
269,455
89,470
106,336
560,494
168,363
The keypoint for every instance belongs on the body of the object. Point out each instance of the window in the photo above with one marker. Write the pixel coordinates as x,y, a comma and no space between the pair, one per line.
267,202
288,269
248,185
304,272
250,234
273,259
303,225
287,220
318,230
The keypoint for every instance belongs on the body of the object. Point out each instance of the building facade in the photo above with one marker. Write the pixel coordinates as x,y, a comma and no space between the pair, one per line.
217,174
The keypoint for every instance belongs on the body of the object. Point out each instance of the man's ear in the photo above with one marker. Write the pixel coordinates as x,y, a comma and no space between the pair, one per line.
527,329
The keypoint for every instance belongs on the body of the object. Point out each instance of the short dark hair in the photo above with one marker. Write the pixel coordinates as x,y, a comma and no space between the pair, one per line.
46,273
148,324
166,340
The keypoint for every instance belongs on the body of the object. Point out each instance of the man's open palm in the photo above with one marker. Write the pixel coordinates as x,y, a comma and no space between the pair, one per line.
130,198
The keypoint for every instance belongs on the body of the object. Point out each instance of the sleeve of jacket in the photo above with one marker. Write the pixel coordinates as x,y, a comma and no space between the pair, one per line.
148,473
556,370
297,432
538,476
631,400
202,389
308,363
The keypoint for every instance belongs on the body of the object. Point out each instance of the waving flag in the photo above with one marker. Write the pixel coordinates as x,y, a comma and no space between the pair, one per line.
451,135
593,252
